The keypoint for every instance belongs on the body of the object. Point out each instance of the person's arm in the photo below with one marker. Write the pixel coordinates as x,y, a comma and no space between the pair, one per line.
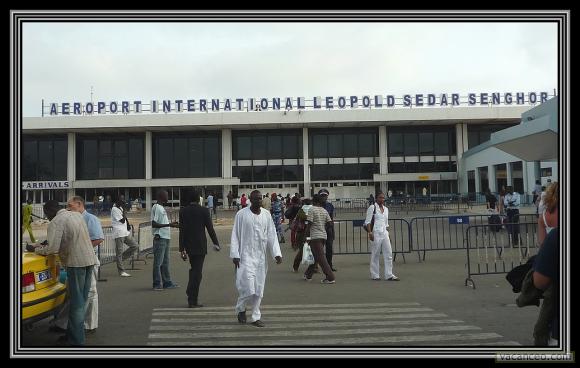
211,231
235,241
517,200
369,216
272,242
541,281
95,231
181,233
157,225
54,238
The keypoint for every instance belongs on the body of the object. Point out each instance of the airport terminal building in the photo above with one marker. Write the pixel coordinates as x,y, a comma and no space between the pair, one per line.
352,145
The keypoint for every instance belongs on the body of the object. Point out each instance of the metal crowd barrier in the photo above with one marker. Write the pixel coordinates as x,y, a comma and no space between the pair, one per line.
490,252
447,232
351,238
106,250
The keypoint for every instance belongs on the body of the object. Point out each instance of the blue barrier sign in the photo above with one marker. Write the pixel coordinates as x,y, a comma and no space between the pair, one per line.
458,220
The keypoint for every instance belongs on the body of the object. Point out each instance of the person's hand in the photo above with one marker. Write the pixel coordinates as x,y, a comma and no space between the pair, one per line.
174,224
278,259
216,247
237,262
371,236
184,255
30,247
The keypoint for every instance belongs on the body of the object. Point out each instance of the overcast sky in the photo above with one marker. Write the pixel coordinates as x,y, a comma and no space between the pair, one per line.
145,61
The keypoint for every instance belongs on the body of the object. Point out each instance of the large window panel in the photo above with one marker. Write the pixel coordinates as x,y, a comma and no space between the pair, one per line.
121,147
212,157
121,167
335,145
245,174
106,167
196,157
395,145
336,172
60,160
105,147
350,145
180,158
29,159
259,148
293,173
350,171
259,173
319,146
319,172
441,143
45,160
164,153
136,159
243,148
411,147
426,143
89,161
275,173
368,170
367,143
274,147
290,144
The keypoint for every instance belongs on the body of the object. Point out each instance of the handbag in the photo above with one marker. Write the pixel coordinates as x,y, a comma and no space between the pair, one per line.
307,256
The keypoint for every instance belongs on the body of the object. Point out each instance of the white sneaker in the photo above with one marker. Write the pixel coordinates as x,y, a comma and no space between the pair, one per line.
125,274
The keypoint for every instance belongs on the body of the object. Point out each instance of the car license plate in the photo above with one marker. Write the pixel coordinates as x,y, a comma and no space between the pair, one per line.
43,276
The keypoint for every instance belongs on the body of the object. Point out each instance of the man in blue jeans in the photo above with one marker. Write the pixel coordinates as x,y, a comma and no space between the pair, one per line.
160,227
67,235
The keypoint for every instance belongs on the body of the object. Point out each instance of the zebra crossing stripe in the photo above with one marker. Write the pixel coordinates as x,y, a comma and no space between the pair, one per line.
323,318
287,333
304,310
337,341
285,306
326,325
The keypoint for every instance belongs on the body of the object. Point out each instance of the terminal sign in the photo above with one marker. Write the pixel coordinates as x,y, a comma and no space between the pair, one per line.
40,185
382,101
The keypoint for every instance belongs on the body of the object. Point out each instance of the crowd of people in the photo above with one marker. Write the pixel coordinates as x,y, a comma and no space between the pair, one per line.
74,234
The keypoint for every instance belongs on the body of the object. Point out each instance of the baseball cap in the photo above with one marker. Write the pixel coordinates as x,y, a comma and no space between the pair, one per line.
323,192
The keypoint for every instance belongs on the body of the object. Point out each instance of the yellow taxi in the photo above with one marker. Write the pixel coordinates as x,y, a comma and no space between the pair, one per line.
42,293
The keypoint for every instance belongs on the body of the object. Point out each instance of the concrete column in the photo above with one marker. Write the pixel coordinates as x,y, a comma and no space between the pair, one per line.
491,177
461,176
527,189
477,181
465,138
226,162
71,163
305,158
148,169
383,152
508,167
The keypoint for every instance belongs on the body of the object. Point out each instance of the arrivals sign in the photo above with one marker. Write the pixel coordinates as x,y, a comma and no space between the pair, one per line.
43,185
295,103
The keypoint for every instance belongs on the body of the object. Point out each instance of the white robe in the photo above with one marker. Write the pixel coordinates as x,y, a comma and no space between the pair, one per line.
251,235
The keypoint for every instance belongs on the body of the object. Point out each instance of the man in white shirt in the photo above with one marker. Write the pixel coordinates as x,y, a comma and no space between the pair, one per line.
160,227
122,235
512,204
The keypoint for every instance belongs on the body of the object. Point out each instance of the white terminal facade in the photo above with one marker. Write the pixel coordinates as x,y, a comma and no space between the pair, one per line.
351,152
